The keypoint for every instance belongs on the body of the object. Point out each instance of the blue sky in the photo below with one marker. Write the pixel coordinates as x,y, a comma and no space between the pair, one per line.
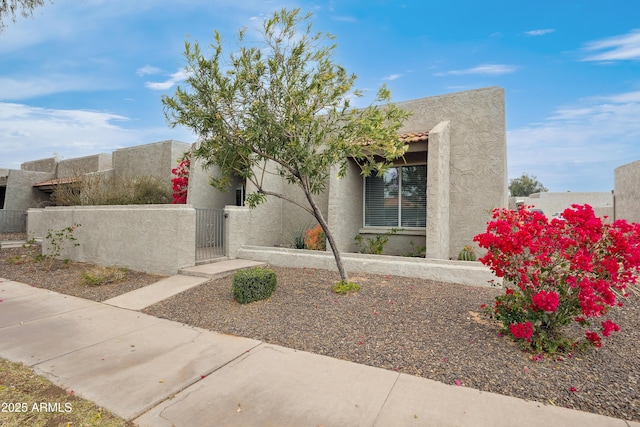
86,76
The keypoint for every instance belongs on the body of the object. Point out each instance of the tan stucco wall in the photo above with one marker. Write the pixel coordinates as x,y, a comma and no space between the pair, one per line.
152,238
156,159
21,195
466,173
201,195
42,165
82,165
627,192
478,155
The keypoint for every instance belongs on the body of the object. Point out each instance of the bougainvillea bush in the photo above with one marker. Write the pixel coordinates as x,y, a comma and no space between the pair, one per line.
180,181
570,269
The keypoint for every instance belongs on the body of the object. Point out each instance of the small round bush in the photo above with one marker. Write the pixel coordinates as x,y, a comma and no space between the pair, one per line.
253,284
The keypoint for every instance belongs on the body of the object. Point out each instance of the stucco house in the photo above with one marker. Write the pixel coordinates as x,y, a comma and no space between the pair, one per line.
440,195
32,184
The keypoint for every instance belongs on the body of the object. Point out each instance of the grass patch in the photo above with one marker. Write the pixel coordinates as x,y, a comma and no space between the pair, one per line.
28,399
101,275
343,288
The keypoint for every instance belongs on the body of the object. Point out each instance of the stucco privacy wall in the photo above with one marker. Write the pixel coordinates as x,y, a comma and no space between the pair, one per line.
627,192
468,273
151,238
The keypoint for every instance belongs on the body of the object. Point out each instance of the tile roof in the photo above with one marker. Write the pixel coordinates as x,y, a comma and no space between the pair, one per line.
57,181
410,137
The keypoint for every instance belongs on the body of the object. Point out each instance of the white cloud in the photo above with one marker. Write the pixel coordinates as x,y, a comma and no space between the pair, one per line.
539,32
148,70
489,69
176,77
31,133
578,146
617,48
392,77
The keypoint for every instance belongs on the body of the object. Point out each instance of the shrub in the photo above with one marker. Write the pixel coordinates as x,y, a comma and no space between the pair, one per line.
103,275
376,245
315,239
559,272
253,284
344,288
103,189
58,240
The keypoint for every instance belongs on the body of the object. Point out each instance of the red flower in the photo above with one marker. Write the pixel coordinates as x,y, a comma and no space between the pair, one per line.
522,330
594,338
608,326
546,301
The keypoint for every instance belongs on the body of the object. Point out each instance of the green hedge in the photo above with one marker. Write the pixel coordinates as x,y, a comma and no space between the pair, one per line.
253,284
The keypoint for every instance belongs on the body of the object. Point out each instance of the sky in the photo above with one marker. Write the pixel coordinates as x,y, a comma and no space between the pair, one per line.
83,77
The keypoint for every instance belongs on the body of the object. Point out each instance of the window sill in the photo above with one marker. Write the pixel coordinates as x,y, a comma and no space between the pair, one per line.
406,231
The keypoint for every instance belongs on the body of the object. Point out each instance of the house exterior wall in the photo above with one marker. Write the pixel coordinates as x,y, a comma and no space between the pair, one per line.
627,192
42,165
20,194
552,202
466,175
83,165
345,206
478,169
156,159
201,195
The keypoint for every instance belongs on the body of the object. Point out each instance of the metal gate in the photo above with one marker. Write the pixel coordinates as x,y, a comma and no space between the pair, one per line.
13,225
209,234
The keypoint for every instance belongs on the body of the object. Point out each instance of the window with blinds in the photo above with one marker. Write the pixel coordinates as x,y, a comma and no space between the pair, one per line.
398,198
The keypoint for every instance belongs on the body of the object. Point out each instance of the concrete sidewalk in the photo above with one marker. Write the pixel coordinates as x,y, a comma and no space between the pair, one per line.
162,373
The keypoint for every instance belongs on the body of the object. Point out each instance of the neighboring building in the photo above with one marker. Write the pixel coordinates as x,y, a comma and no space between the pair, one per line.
441,194
31,186
627,192
552,204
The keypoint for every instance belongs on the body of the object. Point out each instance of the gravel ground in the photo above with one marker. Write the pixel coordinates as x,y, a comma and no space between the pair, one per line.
419,327
66,278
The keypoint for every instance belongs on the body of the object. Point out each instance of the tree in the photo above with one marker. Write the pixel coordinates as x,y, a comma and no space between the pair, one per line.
283,107
525,185
13,8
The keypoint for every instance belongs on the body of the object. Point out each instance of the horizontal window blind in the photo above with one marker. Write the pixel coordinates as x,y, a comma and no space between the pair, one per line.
397,198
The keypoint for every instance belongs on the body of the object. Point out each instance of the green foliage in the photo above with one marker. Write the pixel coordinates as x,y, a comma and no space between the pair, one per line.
101,189
297,237
282,106
13,8
101,275
467,253
58,240
375,245
525,185
344,288
416,251
253,284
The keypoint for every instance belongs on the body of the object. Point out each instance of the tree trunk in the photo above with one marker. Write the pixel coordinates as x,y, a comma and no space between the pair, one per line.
325,227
